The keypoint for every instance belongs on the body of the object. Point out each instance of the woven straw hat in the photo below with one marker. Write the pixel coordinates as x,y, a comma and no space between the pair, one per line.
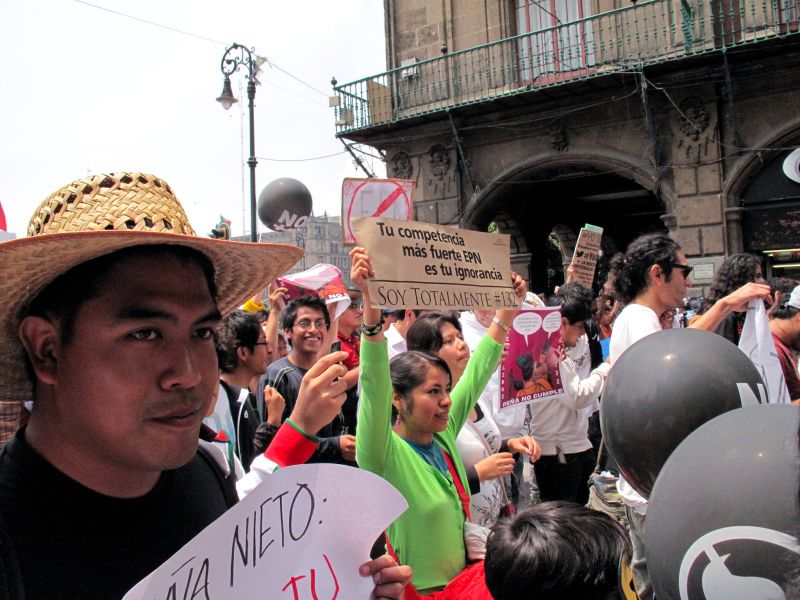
102,214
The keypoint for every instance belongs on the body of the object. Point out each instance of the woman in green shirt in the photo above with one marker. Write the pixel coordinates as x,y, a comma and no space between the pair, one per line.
410,454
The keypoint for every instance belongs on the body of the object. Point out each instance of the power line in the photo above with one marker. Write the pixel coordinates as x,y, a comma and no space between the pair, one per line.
301,159
153,23
194,35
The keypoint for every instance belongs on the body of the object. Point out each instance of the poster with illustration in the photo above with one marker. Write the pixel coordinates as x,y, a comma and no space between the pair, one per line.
530,370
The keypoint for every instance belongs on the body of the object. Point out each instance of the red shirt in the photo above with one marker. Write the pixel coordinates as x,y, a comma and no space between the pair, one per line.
352,345
789,367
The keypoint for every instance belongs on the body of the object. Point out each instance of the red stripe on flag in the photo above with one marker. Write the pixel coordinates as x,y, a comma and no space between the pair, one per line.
3,226
384,206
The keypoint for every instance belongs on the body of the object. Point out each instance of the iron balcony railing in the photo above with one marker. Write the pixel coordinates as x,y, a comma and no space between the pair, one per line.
616,41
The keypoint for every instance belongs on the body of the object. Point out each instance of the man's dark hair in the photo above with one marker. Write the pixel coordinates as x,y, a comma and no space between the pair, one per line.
552,551
290,312
64,296
782,310
240,329
784,285
409,369
575,302
425,333
400,313
734,272
631,269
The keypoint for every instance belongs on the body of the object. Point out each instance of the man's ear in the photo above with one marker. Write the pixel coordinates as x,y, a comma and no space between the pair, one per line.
242,352
654,271
41,339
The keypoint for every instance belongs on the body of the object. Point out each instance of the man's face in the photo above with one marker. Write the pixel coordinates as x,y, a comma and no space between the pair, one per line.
137,377
484,317
350,320
307,331
257,359
674,287
571,332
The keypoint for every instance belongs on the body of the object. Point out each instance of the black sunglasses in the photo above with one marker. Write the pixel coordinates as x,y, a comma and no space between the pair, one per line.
685,269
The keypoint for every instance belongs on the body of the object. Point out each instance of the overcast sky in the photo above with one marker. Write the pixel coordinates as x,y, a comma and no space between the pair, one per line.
86,90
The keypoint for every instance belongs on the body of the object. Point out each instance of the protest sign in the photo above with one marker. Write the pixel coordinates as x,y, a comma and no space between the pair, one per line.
587,251
530,370
387,198
419,265
300,534
320,280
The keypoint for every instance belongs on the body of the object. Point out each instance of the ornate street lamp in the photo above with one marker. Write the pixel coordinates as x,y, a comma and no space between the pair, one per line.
236,56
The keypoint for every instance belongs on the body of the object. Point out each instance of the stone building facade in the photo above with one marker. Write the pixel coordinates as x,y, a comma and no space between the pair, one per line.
542,116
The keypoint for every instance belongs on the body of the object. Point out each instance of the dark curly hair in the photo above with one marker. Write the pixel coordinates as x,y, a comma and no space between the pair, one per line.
631,269
734,272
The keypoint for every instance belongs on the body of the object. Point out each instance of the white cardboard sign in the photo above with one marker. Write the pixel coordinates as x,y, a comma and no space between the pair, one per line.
301,534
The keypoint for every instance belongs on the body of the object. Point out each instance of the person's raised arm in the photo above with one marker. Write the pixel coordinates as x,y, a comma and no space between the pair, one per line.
360,272
734,302
277,301
373,434
499,331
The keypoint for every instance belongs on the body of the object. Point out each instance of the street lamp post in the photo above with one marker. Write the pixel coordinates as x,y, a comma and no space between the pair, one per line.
236,56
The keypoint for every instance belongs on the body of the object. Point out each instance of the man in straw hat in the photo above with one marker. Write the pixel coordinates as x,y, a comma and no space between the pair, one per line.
106,326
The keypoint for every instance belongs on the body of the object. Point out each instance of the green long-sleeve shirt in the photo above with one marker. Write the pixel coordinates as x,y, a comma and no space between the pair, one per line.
429,536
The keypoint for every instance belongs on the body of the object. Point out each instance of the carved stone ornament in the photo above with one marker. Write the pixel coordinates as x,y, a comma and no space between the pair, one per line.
694,118
439,161
558,137
401,166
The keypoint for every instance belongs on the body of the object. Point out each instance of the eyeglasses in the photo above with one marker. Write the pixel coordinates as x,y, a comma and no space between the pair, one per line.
305,324
685,269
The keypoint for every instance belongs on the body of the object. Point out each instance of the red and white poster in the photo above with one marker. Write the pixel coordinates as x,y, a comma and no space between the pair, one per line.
387,198
320,280
530,371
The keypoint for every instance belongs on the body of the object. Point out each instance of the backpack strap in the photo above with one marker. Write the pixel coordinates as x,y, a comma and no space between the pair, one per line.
227,481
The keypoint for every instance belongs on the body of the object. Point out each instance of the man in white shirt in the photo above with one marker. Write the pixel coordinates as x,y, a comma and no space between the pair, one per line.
652,277
396,334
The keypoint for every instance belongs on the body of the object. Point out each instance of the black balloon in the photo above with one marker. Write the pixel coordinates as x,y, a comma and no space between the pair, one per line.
284,204
664,387
723,515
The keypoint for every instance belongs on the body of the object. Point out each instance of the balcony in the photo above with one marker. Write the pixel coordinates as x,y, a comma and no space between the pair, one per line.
621,40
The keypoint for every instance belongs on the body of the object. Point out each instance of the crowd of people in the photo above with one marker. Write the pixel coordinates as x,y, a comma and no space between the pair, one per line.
150,380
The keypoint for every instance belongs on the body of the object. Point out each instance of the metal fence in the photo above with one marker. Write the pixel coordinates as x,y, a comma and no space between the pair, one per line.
619,40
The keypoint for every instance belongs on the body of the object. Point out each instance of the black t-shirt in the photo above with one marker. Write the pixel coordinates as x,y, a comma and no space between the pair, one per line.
72,542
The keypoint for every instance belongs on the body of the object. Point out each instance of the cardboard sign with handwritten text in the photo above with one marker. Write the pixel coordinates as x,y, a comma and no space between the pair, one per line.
587,251
419,265
301,534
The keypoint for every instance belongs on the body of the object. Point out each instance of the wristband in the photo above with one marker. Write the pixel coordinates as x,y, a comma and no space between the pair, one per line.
503,326
296,427
370,330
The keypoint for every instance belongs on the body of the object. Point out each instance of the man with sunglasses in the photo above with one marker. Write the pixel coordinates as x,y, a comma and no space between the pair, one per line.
241,347
305,323
652,278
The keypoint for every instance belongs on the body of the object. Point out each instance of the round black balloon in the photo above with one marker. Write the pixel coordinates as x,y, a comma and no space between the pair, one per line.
723,515
284,204
664,387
